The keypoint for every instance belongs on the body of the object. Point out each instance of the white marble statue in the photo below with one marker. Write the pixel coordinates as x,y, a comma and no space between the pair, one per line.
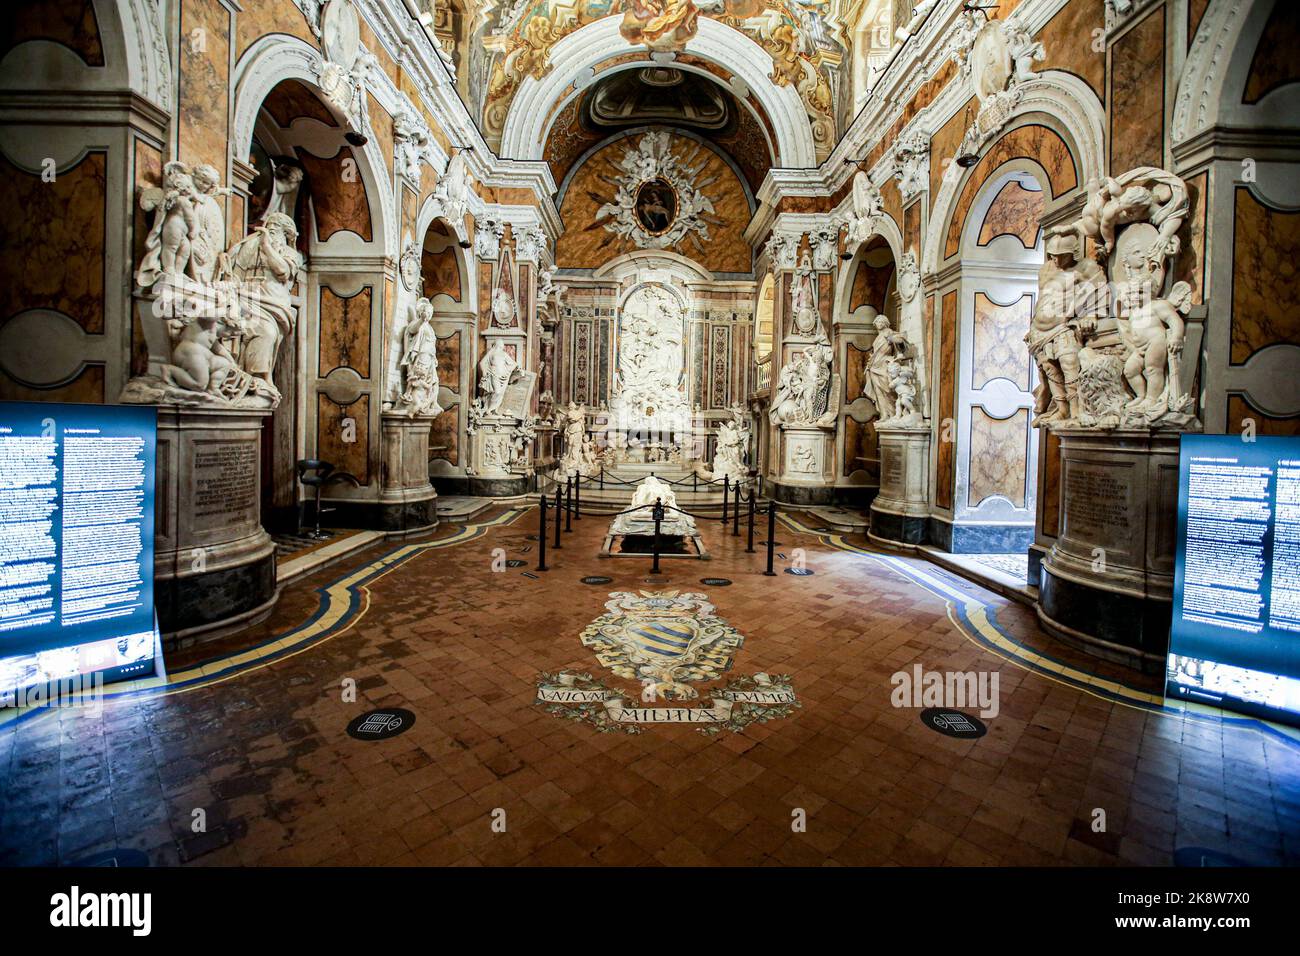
890,355
286,181
452,191
1067,287
641,520
803,387
803,301
868,207
495,370
207,249
1152,327
419,363
264,266
1145,194
729,452
578,453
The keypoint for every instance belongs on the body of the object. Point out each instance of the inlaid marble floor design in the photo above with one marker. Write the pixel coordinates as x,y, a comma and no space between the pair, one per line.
264,754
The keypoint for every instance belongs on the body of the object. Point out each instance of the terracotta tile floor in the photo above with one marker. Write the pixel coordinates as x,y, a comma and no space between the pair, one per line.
266,757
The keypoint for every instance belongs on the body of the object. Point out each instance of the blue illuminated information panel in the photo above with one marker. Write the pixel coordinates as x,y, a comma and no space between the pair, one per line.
76,541
1235,638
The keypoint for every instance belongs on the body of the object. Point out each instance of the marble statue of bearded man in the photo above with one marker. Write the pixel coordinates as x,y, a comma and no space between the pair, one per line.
265,266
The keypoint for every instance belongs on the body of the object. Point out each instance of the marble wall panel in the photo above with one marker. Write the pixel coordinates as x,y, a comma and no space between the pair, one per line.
1266,251
1067,44
946,387
1240,410
291,99
338,193
1195,13
946,139
345,332
62,228
87,388
1051,479
444,437
1275,61
870,286
71,23
348,458
204,98
1038,143
860,442
258,19
1015,211
440,274
999,341
998,452
1137,95
855,360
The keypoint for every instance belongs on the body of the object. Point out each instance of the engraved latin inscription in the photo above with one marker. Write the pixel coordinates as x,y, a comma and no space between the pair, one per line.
1098,505
225,484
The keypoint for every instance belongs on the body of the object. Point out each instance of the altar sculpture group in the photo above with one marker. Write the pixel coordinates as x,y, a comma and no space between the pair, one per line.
1108,342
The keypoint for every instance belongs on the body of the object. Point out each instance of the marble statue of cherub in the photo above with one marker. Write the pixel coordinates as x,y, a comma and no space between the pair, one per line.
1154,332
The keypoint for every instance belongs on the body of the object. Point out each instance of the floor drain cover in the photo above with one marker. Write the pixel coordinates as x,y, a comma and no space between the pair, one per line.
596,579
801,572
515,563
716,582
953,723
381,724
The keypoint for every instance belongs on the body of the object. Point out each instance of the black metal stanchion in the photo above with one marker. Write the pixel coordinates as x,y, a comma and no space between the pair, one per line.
541,533
695,480
602,477
568,504
725,484
749,539
735,513
577,497
559,503
771,538
658,513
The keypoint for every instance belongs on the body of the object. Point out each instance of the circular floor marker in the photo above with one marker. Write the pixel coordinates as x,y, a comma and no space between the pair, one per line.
530,537
1196,856
515,563
596,579
801,572
381,724
716,582
953,723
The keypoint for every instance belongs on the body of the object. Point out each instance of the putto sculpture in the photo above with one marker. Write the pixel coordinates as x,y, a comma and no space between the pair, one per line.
890,379
803,387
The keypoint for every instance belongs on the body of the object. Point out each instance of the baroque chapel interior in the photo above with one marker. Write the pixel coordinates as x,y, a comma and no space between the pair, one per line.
650,432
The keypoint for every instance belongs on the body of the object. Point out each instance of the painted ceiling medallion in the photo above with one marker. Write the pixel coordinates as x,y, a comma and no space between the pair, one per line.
658,203
666,640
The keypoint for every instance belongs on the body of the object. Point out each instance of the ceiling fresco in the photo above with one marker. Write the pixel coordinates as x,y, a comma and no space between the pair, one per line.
805,38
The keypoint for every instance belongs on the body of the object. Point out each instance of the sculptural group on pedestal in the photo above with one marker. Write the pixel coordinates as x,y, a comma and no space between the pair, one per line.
1108,342
214,318
418,364
803,387
890,376
578,457
732,445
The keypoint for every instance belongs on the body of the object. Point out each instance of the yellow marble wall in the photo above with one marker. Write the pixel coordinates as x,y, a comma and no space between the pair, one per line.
61,228
860,442
349,458
204,98
586,244
1190,265
998,449
1068,45
71,23
1240,410
1266,251
261,17
440,273
338,194
1015,211
345,332
1050,478
1038,143
947,385
1275,61
1137,95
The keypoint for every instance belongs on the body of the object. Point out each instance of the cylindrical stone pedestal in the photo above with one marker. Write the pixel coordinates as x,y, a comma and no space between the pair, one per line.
214,564
408,502
1107,583
900,512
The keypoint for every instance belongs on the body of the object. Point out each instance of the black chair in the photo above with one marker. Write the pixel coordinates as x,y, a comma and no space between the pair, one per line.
314,473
